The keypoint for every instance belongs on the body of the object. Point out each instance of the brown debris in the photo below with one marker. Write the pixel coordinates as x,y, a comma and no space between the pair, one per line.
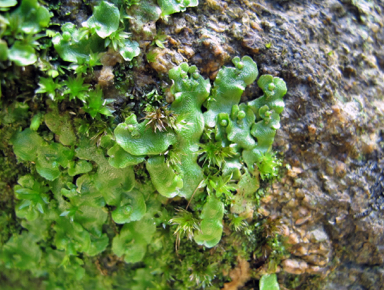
111,58
106,76
216,5
239,275
219,55
294,266
165,59
108,60
294,172
253,41
187,51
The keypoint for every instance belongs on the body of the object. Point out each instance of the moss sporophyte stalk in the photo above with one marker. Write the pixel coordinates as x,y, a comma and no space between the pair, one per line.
96,185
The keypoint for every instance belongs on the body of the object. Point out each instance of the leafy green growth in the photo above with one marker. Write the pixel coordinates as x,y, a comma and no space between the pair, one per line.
211,224
76,88
83,65
20,253
48,157
228,88
21,26
36,122
60,124
100,30
237,222
215,153
102,191
4,52
139,139
96,105
272,244
129,3
93,194
73,45
104,20
132,207
120,158
106,27
160,119
186,225
233,127
220,185
151,56
22,54
26,144
33,197
6,4
269,282
169,7
133,240
49,87
168,183
159,40
79,167
142,15
34,16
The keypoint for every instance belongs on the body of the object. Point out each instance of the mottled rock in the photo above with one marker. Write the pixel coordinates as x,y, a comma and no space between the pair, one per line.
294,266
165,59
294,172
293,239
302,221
318,236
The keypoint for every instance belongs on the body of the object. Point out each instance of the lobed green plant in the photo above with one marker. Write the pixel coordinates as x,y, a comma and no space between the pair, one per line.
234,126
269,282
101,30
108,27
19,31
78,207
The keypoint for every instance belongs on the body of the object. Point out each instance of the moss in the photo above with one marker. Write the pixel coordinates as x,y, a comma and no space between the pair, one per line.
95,186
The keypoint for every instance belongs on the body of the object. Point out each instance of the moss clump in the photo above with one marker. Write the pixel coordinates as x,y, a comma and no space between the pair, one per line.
96,188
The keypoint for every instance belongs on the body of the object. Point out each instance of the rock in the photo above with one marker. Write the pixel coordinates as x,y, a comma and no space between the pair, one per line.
293,239
317,260
300,251
316,270
299,193
263,211
294,172
292,203
165,59
318,236
187,51
106,76
239,275
312,129
293,266
341,169
302,221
